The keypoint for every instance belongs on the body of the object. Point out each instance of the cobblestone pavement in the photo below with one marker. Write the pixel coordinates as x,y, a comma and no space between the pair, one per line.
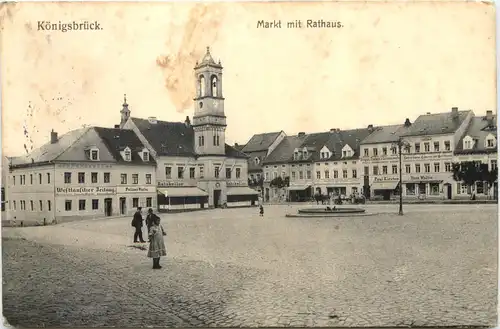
435,266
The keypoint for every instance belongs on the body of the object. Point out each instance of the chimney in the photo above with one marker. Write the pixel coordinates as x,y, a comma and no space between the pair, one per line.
53,137
152,120
301,134
428,113
454,112
407,123
370,128
187,122
117,126
235,144
489,115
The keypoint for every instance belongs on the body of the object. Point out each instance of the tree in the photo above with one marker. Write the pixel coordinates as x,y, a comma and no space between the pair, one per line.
489,176
468,173
256,182
279,182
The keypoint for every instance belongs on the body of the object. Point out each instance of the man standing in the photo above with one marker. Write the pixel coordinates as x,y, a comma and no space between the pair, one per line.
137,223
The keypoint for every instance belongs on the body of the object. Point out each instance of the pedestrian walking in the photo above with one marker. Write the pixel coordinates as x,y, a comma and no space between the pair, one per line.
156,242
261,211
149,219
137,222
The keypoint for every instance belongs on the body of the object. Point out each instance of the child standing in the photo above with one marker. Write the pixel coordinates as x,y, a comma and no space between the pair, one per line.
261,211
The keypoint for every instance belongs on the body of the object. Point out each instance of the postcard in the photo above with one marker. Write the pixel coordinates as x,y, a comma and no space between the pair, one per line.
249,164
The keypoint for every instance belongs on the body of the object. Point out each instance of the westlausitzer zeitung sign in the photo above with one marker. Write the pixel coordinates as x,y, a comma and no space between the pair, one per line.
86,190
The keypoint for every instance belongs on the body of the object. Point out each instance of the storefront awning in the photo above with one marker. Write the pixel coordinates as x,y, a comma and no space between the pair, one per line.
423,181
241,190
298,187
385,185
174,192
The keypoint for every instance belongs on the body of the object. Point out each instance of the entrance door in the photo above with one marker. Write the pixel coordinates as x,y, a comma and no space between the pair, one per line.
267,195
216,198
123,206
108,207
448,191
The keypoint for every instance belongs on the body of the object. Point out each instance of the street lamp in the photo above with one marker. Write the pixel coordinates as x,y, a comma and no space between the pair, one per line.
400,144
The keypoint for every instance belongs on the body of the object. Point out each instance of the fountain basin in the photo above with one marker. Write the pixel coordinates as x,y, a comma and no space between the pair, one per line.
331,210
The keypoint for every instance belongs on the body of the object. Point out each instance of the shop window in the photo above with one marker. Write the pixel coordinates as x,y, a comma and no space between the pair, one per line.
149,202
410,189
135,202
434,187
81,205
95,204
67,205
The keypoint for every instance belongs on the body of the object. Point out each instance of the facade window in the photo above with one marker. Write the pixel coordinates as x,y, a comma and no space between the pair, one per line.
267,176
375,152
384,150
447,166
462,189
145,156
107,177
436,146
354,173
490,143
14,205
301,174
417,147
309,174
94,155
293,175
327,174
202,171
427,167
192,172
81,204
238,173
417,168
48,178
335,174
410,189
135,202
447,146
128,155
135,178
14,180
493,164
384,170
41,205
407,148
344,173
275,174
427,147
375,170
283,174
49,205
149,202
228,173
394,169
39,178
81,178
394,151
93,177
408,168
216,172
67,205
180,172
123,178
468,144
367,170
95,204
318,174
366,152
148,178
168,172
31,179
434,187
436,167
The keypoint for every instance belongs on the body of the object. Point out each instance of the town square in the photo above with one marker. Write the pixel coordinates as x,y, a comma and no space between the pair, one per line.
434,266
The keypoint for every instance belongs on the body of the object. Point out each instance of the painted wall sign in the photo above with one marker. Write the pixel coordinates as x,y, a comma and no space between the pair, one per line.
136,189
85,190
435,156
422,178
236,183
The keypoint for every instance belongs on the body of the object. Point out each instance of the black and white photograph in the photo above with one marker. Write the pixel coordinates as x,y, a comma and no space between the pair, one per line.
249,164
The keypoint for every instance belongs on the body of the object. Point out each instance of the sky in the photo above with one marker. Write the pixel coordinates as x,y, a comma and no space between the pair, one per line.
388,62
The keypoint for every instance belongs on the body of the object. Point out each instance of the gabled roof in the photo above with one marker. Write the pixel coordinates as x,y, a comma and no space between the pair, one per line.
260,142
340,138
116,140
238,147
437,124
385,134
174,138
479,128
50,151
284,151
251,160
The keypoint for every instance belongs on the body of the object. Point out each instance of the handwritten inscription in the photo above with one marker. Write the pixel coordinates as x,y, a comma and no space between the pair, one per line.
299,24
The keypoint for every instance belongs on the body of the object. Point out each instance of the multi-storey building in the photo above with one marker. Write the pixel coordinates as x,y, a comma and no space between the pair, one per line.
88,172
195,167
478,143
257,149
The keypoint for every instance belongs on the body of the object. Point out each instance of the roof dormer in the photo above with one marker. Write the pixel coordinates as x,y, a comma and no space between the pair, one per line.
325,153
92,153
347,151
256,160
468,142
145,155
490,141
126,154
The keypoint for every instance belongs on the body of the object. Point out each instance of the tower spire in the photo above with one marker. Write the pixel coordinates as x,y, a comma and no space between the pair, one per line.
125,112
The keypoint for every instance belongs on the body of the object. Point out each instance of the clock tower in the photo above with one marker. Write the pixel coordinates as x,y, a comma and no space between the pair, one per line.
209,120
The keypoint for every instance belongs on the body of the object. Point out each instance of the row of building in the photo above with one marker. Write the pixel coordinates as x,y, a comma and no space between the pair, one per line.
98,171
366,160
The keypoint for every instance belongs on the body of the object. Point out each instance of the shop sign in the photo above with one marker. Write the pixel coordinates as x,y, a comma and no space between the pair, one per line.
236,183
136,189
422,178
424,157
170,184
386,179
85,190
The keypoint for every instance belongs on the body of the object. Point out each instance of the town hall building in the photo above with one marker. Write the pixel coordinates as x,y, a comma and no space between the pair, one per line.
195,166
